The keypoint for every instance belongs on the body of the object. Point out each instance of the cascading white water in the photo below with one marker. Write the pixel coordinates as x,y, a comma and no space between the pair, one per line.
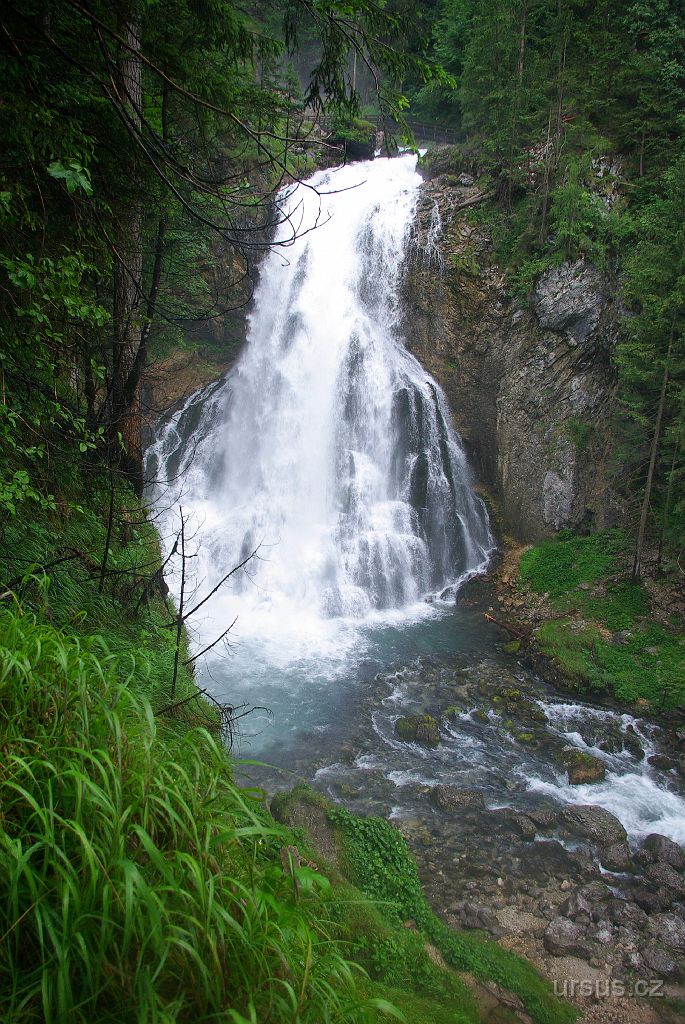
328,445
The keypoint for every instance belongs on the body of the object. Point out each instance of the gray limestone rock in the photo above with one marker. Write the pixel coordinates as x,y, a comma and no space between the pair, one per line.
595,823
455,798
563,937
662,961
617,857
569,300
661,848
669,930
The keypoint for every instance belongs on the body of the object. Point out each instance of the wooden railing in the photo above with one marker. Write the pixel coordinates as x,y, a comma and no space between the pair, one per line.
423,130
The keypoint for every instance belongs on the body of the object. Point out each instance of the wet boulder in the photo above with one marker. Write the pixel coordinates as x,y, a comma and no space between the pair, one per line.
455,798
617,857
631,743
595,823
664,876
421,729
662,762
582,768
660,848
544,817
524,826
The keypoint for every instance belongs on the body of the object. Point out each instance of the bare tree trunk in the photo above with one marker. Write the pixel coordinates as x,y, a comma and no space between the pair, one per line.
126,418
644,514
513,127
180,616
669,498
546,180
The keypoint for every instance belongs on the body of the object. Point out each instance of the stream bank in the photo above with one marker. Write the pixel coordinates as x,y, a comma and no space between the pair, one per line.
505,844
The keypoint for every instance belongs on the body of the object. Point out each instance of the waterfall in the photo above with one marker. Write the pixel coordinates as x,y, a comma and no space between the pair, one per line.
328,447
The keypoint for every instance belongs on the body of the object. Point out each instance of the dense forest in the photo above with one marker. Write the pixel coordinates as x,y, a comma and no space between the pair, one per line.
144,146
543,93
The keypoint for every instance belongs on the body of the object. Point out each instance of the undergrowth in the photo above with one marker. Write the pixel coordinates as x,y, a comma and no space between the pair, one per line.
604,638
52,562
408,953
138,883
379,862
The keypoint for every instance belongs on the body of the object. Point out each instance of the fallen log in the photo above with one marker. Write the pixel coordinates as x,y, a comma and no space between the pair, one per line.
520,634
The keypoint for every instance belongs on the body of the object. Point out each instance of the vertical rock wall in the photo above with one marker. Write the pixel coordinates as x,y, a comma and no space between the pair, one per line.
530,384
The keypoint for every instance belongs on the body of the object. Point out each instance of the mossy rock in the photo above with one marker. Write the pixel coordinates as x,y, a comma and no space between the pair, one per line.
453,711
529,710
421,729
512,647
582,768
480,716
304,808
348,791
527,738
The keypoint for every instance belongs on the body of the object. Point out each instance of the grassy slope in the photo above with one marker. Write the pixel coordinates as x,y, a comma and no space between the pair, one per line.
589,588
393,944
136,881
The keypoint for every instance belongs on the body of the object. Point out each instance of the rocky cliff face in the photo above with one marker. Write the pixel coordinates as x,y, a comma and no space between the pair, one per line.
530,384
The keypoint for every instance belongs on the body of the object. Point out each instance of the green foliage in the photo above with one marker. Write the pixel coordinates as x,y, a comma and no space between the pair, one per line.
649,666
133,873
655,290
74,176
648,663
577,218
581,433
382,866
557,566
353,129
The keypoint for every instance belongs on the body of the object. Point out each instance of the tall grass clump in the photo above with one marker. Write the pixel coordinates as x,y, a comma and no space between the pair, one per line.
137,883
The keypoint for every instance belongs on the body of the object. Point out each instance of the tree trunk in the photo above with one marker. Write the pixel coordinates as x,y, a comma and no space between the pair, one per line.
126,414
669,495
644,514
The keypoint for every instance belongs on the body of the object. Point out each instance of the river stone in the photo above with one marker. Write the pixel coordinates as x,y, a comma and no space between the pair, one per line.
544,817
595,823
454,798
663,762
421,729
582,767
519,823
669,930
584,901
661,961
661,848
651,900
626,914
632,744
563,937
617,857
662,874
